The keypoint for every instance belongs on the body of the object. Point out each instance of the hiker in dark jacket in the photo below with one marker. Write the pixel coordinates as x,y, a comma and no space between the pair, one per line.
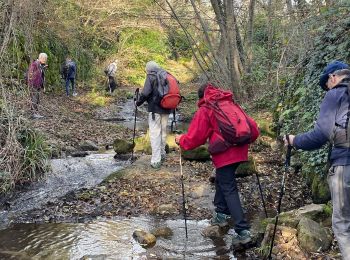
203,127
69,72
158,116
36,80
331,126
111,72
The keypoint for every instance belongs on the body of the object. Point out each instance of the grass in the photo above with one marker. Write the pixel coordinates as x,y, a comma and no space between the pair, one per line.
24,153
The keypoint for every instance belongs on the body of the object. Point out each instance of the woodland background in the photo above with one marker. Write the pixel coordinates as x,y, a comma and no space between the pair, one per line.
270,53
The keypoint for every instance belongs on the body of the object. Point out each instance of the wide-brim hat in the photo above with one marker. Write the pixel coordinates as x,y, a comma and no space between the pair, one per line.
331,67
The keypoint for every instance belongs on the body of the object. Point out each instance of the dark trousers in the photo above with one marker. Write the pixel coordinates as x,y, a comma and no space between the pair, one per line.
68,82
226,198
112,85
34,98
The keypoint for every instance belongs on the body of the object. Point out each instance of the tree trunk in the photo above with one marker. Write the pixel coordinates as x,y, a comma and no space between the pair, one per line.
207,38
250,36
269,40
234,59
223,51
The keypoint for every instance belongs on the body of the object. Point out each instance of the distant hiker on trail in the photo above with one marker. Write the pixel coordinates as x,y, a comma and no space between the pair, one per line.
36,80
69,73
226,158
333,126
111,72
158,116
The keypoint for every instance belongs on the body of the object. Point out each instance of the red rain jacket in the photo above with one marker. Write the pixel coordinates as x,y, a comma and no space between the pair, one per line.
204,126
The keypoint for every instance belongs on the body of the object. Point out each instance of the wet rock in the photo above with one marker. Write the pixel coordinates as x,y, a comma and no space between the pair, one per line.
80,154
69,150
166,209
88,146
144,239
121,146
165,232
199,154
213,232
312,236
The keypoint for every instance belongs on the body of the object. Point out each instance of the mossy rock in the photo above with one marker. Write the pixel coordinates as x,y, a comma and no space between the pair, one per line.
144,238
320,190
285,219
199,154
143,144
121,146
164,232
246,168
312,236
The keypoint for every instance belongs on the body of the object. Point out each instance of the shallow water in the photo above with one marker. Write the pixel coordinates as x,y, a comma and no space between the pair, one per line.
109,240
127,113
67,175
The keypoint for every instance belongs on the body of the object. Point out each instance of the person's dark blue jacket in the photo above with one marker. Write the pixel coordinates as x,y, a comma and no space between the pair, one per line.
330,126
72,70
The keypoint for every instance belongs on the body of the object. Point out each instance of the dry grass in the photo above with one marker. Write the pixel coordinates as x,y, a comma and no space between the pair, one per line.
23,151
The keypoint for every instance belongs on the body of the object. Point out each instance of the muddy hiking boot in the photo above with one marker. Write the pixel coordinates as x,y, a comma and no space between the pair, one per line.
156,166
220,219
244,237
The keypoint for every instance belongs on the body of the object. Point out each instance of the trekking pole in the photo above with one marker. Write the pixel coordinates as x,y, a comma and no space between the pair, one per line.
173,123
183,194
136,98
261,194
286,166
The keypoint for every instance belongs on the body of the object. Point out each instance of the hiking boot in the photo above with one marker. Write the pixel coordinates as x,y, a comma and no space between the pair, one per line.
220,219
244,237
156,165
162,159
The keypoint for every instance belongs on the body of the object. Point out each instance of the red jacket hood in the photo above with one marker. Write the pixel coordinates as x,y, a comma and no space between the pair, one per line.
213,94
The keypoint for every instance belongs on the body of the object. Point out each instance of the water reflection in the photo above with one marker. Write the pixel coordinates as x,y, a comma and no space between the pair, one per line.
109,240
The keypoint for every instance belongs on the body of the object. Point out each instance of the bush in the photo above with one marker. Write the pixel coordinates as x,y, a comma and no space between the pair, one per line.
23,151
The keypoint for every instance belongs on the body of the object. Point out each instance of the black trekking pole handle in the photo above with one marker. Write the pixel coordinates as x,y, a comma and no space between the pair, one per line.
136,98
286,164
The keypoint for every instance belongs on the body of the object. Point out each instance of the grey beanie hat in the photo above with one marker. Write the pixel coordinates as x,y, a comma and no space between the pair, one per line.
152,66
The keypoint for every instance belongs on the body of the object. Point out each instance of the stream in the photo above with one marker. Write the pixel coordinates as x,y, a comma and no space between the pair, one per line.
110,239
101,238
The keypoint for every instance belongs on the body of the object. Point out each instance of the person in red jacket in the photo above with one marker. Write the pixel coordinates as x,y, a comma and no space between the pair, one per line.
203,127
35,81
